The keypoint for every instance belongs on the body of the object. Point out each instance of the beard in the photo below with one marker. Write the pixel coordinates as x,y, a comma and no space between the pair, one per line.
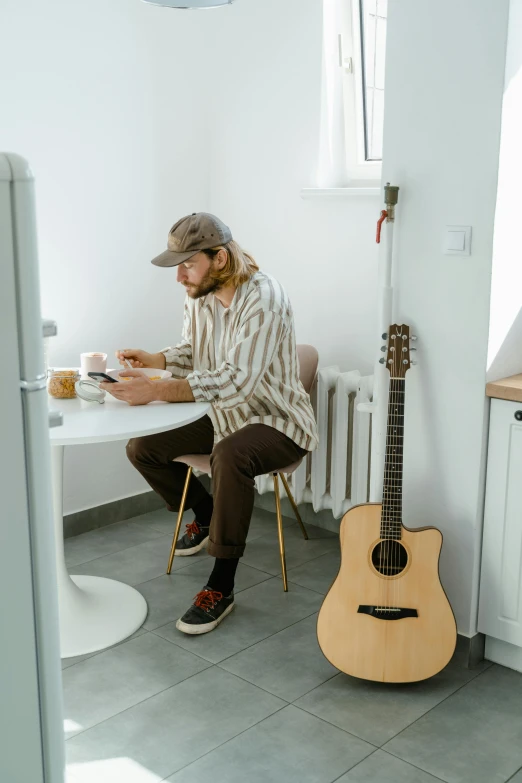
208,285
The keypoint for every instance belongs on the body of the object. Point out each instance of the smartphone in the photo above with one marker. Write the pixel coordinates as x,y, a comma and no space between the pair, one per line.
101,376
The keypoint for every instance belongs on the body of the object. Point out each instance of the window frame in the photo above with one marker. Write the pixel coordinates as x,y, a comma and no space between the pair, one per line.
351,61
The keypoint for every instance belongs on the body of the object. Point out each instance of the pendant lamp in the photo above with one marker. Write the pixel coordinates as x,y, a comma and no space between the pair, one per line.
190,4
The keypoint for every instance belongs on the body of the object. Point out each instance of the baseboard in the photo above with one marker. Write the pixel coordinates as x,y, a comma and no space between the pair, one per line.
108,513
472,648
115,511
126,508
504,653
476,649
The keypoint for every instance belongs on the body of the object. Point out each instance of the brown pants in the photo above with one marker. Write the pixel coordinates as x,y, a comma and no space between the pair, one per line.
235,461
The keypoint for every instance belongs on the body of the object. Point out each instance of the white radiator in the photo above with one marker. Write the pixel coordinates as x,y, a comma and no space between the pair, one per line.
336,475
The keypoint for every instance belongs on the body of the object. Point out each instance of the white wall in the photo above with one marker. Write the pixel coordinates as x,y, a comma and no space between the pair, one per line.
444,84
505,332
105,101
265,137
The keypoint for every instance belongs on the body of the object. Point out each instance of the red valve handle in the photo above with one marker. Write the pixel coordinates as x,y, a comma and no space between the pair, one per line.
381,220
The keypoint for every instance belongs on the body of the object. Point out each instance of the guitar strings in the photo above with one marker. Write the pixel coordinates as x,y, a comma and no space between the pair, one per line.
387,506
391,485
396,483
393,499
390,557
400,441
393,442
385,545
388,498
391,519
391,491
396,487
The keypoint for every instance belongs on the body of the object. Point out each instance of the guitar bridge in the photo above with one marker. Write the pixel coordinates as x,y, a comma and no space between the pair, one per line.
387,612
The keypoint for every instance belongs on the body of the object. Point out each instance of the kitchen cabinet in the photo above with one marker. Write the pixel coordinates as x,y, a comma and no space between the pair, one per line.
500,602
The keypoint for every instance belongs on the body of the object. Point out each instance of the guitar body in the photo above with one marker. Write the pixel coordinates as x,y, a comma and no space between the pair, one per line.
371,646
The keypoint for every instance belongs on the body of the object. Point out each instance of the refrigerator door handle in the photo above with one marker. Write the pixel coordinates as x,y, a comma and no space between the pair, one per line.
39,383
55,418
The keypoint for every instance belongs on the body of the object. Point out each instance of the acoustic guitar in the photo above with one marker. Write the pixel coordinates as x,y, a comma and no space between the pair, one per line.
386,616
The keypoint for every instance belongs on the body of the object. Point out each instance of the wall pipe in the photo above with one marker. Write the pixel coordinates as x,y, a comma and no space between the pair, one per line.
379,404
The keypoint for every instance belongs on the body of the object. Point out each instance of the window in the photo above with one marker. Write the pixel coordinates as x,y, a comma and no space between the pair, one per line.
352,93
372,15
363,45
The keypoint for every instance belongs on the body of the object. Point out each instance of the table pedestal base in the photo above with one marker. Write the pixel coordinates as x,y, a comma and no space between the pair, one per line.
97,613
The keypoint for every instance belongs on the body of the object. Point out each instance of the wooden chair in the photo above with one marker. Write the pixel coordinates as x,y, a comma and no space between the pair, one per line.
308,361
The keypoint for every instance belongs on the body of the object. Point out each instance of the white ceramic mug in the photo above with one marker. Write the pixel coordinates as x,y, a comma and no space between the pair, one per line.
92,362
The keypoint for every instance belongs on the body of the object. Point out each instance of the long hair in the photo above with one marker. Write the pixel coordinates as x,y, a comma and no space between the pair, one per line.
239,268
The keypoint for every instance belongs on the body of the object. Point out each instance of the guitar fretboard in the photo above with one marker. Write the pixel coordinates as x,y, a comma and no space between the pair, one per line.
391,519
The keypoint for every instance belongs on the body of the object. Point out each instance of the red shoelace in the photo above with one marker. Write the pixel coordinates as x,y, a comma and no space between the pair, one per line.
192,529
207,599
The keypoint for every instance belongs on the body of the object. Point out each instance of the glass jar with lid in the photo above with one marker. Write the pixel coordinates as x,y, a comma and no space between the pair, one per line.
60,383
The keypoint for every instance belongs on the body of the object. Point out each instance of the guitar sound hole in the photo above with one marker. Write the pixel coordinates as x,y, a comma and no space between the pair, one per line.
389,557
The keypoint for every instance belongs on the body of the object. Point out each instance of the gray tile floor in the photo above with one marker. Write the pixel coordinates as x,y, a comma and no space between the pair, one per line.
255,701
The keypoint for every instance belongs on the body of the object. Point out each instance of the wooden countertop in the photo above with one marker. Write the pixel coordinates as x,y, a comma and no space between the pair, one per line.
506,388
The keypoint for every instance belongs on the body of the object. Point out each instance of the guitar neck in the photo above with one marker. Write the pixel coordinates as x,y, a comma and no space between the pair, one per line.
391,519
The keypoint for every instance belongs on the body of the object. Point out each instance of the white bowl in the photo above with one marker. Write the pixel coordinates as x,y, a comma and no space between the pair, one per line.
151,372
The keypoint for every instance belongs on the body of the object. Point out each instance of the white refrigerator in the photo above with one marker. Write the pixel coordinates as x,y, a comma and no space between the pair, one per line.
31,715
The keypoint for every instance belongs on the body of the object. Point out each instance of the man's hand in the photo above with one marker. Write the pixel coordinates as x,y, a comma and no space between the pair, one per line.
139,358
140,391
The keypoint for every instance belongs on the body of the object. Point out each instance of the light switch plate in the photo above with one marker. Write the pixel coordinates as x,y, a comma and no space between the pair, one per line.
457,241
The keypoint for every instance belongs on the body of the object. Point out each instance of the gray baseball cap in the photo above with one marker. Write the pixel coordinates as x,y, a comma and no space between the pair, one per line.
199,231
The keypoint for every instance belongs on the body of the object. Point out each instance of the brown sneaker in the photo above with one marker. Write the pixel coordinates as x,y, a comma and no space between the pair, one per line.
207,611
193,540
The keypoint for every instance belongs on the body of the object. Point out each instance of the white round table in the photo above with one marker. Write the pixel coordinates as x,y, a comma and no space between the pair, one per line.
95,612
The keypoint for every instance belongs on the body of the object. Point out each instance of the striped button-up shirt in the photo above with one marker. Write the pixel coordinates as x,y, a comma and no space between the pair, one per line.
252,376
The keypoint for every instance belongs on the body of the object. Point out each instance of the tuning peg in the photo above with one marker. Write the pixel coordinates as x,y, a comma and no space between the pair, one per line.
383,348
385,336
413,337
382,360
413,362
413,349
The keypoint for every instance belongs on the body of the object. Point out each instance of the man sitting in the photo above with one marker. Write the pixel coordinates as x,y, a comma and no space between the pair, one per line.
238,353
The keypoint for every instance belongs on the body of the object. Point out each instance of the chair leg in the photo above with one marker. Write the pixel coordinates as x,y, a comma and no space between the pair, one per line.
294,505
280,531
178,523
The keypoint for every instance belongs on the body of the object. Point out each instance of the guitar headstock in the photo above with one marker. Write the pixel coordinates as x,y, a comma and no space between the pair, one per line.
398,359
